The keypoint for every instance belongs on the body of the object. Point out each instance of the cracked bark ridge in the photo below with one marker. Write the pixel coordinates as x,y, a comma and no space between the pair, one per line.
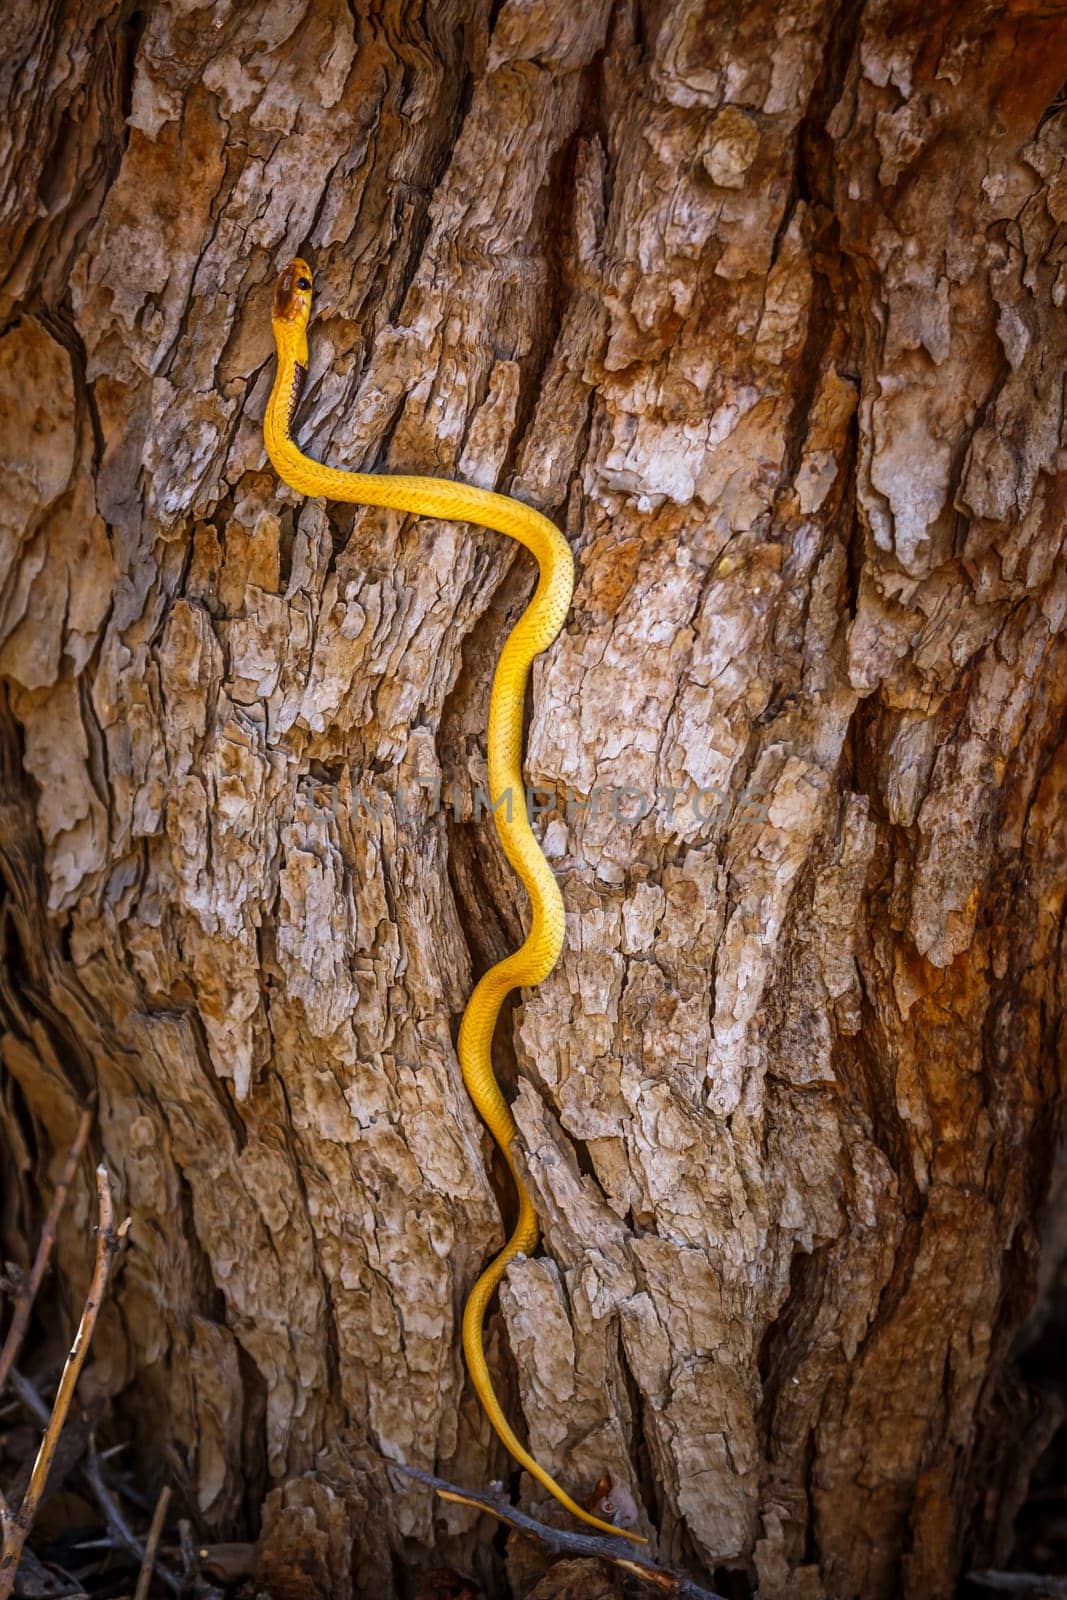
764,303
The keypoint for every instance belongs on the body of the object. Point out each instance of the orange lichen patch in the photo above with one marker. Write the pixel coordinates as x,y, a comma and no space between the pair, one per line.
608,576
610,565
1034,50
938,991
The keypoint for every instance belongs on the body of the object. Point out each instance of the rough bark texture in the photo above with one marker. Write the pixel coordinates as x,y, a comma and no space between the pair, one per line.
763,301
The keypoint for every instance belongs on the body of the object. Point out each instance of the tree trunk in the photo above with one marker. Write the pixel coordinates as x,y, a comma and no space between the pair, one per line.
763,304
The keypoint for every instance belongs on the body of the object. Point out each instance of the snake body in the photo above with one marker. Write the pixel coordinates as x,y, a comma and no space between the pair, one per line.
533,633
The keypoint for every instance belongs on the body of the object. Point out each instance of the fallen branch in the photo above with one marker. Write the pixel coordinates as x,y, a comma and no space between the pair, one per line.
20,1316
37,1577
121,1534
558,1541
1020,1583
155,1533
16,1526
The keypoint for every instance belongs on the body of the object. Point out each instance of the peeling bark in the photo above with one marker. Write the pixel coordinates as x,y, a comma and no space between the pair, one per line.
764,304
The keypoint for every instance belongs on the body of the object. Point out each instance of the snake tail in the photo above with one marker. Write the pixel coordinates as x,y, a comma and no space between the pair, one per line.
535,630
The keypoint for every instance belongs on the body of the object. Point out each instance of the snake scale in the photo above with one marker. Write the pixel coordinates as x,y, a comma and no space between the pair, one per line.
534,632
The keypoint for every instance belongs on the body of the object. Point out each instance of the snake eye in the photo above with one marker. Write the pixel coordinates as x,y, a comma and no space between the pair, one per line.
303,283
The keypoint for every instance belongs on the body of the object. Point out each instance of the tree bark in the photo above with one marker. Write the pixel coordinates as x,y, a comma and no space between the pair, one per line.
764,304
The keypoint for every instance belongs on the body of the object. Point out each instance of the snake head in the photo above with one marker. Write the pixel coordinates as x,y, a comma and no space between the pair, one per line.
292,294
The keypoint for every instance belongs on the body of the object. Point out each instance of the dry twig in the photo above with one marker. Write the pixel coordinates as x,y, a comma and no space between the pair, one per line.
121,1535
558,1541
16,1526
20,1316
155,1533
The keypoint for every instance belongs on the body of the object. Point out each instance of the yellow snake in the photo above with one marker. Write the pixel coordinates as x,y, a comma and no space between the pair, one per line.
534,632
